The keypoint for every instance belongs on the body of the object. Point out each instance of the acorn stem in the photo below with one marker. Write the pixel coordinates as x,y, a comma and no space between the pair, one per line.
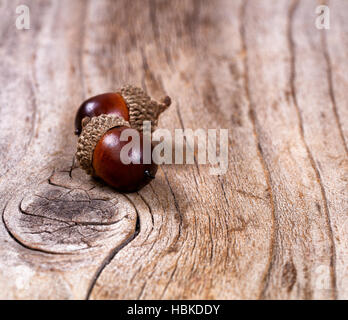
148,174
163,105
166,101
142,107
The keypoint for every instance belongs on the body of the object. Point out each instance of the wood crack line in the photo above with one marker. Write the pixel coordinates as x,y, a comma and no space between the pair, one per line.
31,134
114,252
183,128
331,89
266,278
81,49
176,207
292,10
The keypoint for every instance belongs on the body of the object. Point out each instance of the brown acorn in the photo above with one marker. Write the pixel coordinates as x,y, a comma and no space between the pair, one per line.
100,121
130,103
98,152
106,103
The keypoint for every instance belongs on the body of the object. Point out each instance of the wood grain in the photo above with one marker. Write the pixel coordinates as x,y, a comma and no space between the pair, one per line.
275,226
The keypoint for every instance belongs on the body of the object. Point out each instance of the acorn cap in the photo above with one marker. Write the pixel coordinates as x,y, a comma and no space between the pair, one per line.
142,107
93,129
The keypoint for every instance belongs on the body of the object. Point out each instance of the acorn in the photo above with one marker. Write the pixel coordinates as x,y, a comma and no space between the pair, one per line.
106,103
130,103
99,145
99,149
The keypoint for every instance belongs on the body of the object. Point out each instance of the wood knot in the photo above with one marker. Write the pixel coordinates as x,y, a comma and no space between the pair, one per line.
67,215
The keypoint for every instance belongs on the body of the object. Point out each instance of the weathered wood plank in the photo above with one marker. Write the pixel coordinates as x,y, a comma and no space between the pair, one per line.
274,226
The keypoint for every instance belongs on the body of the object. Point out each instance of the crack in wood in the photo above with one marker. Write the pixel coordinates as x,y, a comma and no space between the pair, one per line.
332,90
114,252
266,170
176,204
291,13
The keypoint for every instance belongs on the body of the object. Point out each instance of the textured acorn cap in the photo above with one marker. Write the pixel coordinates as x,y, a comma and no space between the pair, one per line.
142,107
93,129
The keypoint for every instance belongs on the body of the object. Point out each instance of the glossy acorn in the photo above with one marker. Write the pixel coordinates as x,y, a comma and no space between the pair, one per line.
106,103
129,103
108,166
99,153
100,122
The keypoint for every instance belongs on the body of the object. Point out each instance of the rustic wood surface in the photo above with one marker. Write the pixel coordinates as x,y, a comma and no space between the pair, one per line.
275,226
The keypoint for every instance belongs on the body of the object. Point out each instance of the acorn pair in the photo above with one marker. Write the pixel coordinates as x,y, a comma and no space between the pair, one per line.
99,124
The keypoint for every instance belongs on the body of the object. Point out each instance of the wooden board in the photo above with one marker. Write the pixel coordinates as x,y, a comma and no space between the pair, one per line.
275,226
